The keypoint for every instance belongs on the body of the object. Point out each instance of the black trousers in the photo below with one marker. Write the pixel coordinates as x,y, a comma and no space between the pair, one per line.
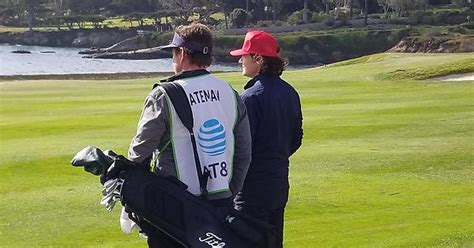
157,239
274,217
265,199
160,240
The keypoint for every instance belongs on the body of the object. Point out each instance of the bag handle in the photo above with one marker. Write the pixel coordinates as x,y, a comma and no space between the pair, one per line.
181,104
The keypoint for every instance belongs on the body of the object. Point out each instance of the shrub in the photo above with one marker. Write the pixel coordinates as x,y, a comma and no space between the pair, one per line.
295,18
263,24
269,23
449,17
177,21
341,23
399,21
228,41
239,17
329,23
421,17
468,26
95,20
441,16
342,16
458,29
461,3
417,17
210,21
428,20
357,42
321,17
162,38
375,16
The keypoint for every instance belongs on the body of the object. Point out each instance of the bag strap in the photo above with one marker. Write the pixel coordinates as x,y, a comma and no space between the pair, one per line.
181,104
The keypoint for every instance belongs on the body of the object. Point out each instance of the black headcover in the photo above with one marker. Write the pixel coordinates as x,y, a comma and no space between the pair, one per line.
94,161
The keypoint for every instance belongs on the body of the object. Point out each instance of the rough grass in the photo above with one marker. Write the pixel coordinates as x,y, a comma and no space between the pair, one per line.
385,162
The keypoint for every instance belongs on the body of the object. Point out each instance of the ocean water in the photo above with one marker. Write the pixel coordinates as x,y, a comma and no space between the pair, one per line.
68,61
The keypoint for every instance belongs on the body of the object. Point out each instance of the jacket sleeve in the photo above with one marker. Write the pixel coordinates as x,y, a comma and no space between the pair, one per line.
151,128
297,136
243,148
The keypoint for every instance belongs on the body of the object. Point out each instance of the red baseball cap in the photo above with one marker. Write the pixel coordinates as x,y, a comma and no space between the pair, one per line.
260,43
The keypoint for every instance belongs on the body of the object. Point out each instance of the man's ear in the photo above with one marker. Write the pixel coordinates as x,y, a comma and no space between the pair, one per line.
182,54
258,59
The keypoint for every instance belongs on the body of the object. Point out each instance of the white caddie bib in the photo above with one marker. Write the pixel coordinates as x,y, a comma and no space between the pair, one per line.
214,106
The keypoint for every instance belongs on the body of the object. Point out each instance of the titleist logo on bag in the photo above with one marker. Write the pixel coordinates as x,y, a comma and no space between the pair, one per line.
213,240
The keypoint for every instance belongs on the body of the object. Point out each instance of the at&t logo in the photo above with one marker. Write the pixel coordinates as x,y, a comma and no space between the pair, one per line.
212,138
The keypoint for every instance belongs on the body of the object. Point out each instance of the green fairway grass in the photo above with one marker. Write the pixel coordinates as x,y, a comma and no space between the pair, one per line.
386,161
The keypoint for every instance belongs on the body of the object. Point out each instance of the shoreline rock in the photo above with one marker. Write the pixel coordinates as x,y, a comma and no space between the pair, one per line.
87,76
141,54
21,52
131,44
435,44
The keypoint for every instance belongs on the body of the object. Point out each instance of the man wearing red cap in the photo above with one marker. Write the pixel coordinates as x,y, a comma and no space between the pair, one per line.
274,111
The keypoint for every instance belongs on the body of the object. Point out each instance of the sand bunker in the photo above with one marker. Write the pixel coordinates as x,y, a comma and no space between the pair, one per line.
456,77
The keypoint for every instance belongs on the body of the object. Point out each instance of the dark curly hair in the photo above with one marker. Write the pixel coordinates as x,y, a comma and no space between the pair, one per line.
273,66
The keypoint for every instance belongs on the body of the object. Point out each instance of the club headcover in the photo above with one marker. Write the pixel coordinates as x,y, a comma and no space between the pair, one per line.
93,160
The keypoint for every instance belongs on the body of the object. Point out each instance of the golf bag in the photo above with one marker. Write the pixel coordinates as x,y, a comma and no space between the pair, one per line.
156,202
165,204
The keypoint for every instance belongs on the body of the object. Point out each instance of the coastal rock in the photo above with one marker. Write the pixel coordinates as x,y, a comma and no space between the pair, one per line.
467,45
21,52
130,44
99,39
93,50
435,45
141,54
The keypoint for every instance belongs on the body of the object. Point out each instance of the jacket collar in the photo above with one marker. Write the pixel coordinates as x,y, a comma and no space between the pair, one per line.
259,77
185,74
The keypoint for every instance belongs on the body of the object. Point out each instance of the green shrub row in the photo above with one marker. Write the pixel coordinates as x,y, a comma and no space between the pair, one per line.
439,17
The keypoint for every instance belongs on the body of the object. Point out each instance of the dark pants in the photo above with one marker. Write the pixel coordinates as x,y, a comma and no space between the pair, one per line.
157,239
265,200
274,217
160,240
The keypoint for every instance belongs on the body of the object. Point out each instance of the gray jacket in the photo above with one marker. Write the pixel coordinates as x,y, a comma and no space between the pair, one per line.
152,140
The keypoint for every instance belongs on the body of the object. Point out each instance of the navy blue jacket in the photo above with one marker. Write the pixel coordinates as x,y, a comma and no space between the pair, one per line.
274,111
